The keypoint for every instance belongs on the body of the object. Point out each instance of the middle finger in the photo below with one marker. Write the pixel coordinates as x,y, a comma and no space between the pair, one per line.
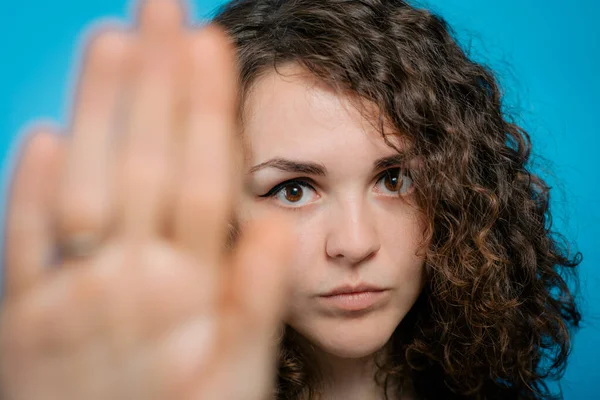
209,182
147,153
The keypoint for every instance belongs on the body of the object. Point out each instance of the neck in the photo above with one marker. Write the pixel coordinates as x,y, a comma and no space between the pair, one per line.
348,378
343,378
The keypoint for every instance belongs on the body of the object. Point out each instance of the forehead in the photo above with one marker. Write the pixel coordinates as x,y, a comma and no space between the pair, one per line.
291,114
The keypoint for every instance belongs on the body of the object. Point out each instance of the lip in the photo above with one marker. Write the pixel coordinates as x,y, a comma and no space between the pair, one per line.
352,289
355,298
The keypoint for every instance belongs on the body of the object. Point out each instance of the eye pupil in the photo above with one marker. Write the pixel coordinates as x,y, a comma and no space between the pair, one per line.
293,193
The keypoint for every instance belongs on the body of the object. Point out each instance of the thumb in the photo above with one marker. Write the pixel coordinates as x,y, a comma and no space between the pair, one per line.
261,274
254,305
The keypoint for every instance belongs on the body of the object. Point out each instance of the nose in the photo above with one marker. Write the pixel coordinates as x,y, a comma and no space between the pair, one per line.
353,235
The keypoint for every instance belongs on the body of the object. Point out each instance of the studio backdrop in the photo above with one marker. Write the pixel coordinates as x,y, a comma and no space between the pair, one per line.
546,54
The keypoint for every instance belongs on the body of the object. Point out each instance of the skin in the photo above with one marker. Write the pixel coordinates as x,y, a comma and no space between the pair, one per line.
159,309
350,225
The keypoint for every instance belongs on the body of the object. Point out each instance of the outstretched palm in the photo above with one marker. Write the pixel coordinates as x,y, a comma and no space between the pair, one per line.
144,302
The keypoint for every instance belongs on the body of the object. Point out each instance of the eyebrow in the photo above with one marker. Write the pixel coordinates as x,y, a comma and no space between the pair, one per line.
286,165
389,162
310,168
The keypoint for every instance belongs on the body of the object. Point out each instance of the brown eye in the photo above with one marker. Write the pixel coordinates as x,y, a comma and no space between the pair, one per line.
392,180
293,192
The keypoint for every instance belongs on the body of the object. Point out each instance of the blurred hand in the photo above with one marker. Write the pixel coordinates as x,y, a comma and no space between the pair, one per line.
143,301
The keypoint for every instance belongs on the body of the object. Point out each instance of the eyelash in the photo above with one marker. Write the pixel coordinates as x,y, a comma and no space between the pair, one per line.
309,183
298,181
402,172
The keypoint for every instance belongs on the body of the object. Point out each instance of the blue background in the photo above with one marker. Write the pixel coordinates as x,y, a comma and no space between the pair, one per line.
546,53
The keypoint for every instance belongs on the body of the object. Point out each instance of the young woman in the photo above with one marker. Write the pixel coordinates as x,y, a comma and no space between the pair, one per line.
420,262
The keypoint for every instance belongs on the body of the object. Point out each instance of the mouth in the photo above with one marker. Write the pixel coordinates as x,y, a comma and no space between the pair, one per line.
353,289
355,298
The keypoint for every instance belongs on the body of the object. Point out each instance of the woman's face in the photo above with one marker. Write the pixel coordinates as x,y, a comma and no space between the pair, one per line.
351,228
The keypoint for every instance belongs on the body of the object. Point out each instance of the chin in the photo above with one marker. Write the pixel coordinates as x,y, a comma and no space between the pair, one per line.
351,337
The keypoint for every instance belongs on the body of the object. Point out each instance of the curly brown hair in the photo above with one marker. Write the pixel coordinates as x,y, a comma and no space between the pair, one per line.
496,316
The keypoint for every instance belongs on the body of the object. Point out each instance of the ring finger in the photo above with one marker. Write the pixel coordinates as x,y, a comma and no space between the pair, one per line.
85,194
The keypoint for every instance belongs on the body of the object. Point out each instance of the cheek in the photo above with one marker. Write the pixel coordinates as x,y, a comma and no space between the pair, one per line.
306,264
307,274
308,252
400,244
